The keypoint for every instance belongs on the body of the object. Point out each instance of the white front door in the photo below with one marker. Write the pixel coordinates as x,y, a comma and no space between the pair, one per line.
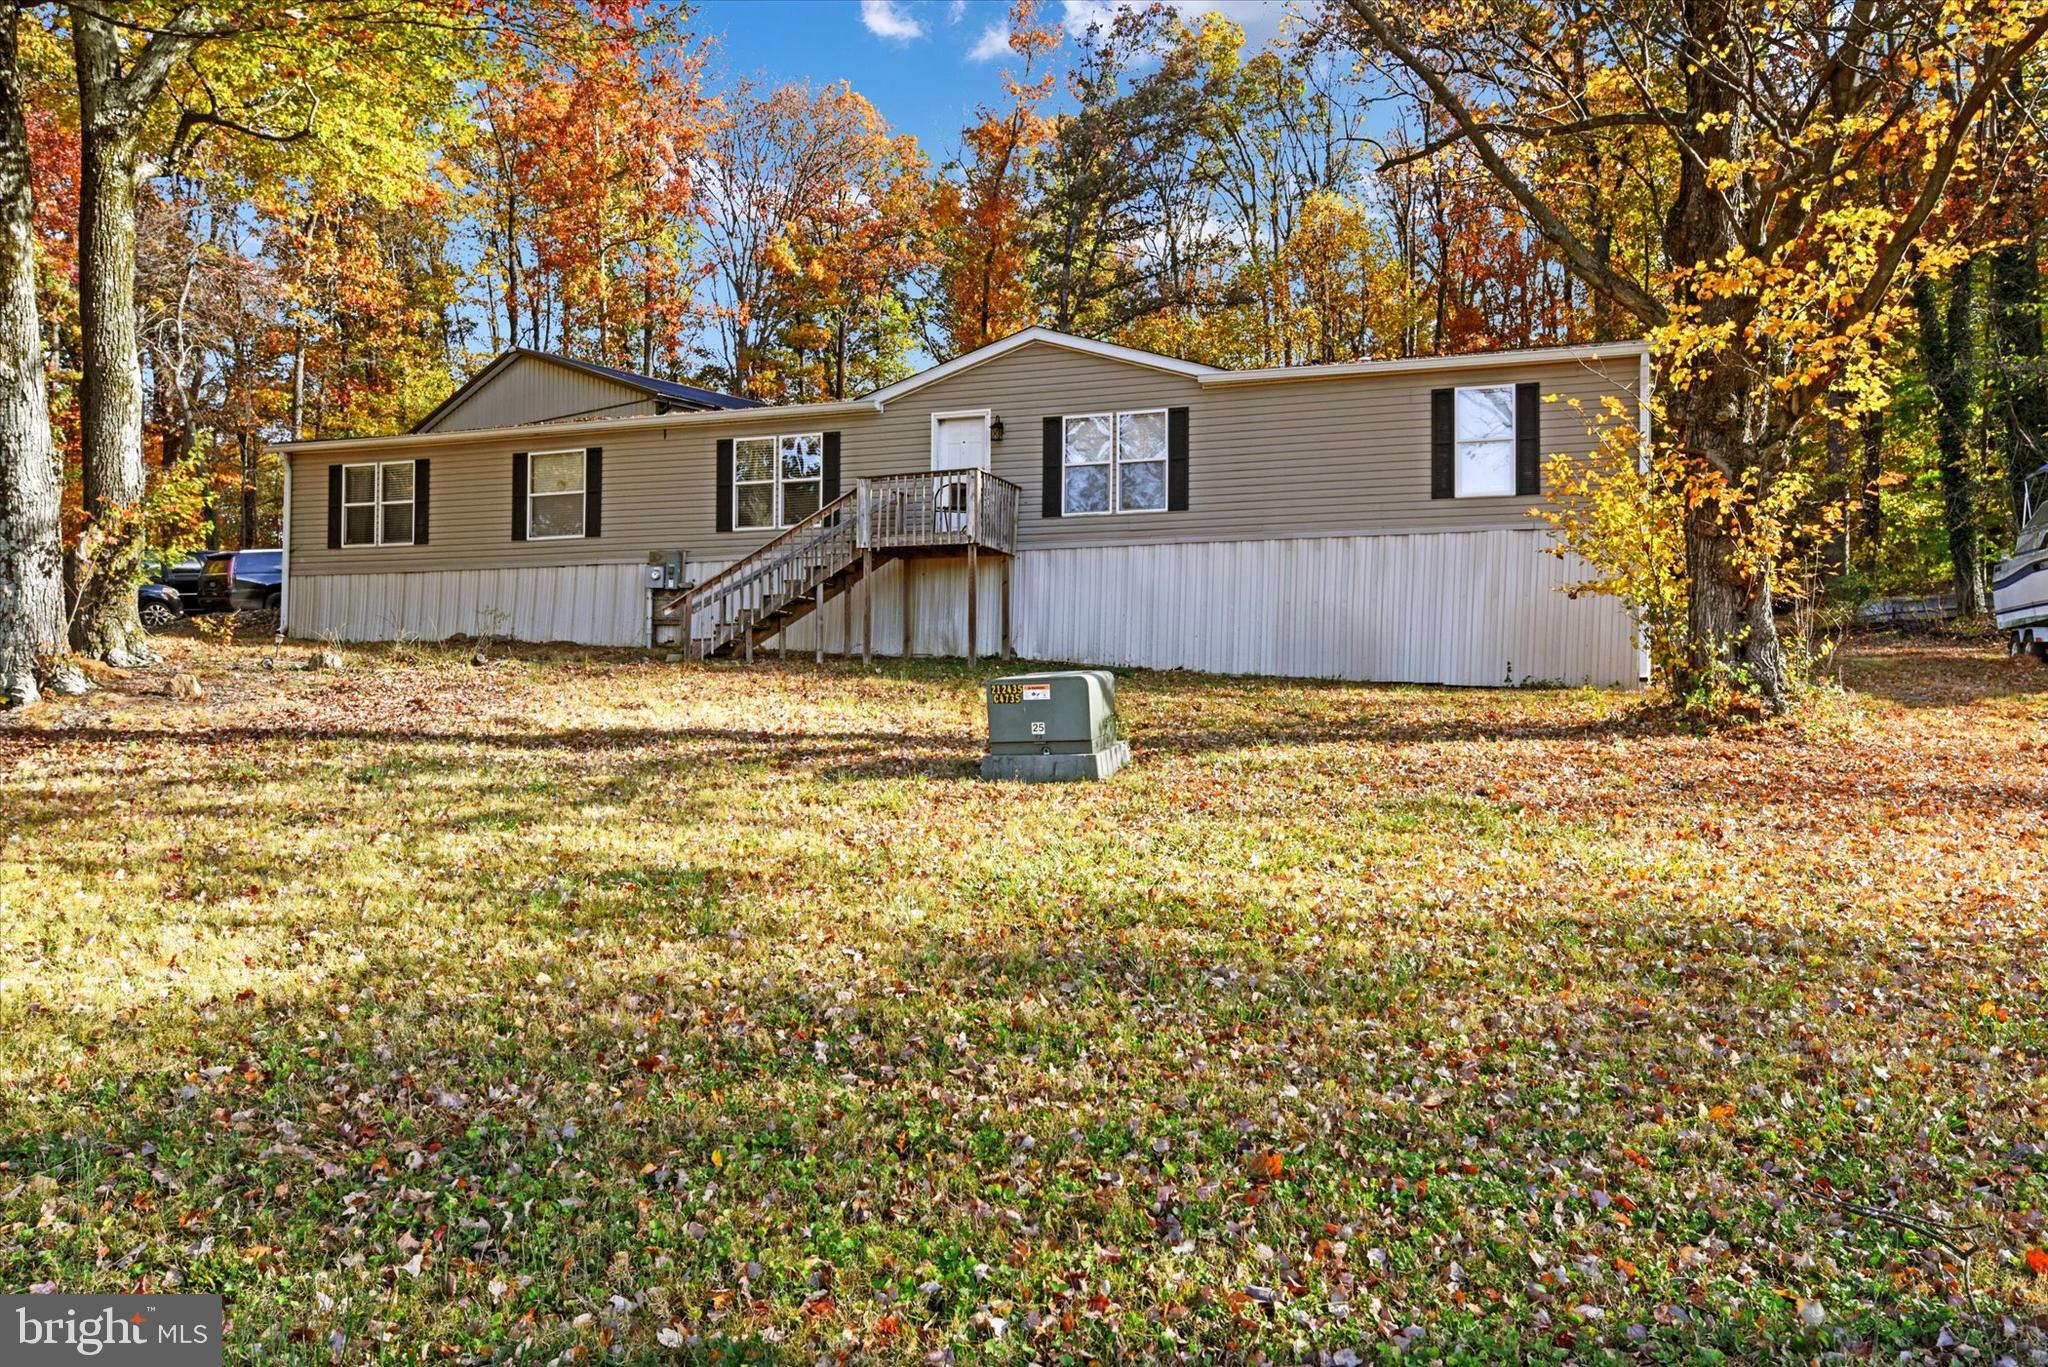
960,443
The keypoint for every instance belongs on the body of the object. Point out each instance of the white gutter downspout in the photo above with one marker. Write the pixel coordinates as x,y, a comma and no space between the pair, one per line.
284,541
1643,383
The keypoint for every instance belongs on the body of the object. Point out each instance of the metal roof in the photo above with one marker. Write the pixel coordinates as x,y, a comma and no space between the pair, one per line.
688,395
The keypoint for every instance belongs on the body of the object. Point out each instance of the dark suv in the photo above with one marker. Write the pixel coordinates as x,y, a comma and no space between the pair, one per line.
236,580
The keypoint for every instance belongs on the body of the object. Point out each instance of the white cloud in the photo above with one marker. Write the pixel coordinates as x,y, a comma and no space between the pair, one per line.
887,19
956,11
993,43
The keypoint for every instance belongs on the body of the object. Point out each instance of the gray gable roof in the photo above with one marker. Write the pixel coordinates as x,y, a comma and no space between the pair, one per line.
668,394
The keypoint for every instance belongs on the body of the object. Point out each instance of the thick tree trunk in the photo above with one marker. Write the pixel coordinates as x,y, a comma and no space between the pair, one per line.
31,562
1731,618
1948,350
104,564
1720,418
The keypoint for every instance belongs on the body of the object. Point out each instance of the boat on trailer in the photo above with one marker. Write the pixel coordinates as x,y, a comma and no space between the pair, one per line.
2019,586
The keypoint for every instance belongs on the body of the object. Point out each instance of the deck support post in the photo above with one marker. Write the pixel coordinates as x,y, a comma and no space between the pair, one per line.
747,630
909,603
819,613
867,606
973,603
1008,651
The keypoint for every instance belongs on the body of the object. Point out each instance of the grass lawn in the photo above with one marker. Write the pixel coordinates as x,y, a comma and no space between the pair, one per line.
587,1007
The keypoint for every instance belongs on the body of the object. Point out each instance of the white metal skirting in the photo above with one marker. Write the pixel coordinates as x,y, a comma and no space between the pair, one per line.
596,605
1479,608
1476,608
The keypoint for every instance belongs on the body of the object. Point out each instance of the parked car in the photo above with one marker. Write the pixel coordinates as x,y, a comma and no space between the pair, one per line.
237,580
183,575
159,605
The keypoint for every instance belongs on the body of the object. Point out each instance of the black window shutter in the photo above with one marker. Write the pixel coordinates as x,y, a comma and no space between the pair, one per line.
593,491
1528,440
422,489
519,495
334,507
1177,460
1443,479
831,468
724,484
1049,497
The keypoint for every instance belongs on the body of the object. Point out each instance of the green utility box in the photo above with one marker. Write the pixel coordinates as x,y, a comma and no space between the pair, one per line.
1051,728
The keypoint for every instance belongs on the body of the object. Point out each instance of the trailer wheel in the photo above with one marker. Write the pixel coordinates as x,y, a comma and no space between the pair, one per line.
2040,652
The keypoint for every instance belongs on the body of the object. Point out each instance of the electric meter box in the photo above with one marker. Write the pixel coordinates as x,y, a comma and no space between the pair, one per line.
1054,727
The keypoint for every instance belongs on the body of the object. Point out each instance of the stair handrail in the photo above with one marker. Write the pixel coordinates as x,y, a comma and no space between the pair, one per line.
747,561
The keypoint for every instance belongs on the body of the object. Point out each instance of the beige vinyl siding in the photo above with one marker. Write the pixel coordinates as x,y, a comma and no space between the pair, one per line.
659,490
530,389
1341,456
1318,457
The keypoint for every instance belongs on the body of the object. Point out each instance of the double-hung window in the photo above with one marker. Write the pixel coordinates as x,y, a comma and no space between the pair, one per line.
377,504
1113,463
777,481
1485,441
555,494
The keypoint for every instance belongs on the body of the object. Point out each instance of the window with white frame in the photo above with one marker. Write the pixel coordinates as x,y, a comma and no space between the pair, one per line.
777,481
377,504
1114,463
555,492
1486,441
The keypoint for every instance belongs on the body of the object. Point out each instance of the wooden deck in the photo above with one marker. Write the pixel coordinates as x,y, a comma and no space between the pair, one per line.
927,513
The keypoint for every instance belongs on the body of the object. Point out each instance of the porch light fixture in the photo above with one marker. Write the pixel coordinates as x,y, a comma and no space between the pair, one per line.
995,429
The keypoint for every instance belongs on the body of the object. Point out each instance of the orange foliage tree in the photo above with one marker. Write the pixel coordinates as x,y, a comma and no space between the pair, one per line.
981,211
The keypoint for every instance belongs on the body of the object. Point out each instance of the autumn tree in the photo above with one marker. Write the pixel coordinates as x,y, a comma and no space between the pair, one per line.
982,210
1139,91
31,600
1277,132
1779,265
796,179
847,258
331,86
580,185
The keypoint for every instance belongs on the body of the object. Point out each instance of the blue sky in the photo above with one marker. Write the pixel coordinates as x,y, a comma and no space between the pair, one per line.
925,64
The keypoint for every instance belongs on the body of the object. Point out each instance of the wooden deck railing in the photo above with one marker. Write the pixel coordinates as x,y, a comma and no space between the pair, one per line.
939,508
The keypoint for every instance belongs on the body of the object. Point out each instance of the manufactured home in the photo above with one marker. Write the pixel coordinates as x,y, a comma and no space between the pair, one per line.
1045,496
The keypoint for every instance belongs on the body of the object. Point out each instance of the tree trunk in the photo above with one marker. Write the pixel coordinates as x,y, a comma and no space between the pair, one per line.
2022,383
1731,618
104,564
1870,504
1721,417
248,453
1948,351
1834,553
31,557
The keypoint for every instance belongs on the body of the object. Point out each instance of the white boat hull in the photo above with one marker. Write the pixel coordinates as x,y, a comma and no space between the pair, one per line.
2019,590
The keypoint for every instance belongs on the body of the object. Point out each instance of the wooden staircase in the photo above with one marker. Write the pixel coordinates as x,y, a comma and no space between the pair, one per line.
936,512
